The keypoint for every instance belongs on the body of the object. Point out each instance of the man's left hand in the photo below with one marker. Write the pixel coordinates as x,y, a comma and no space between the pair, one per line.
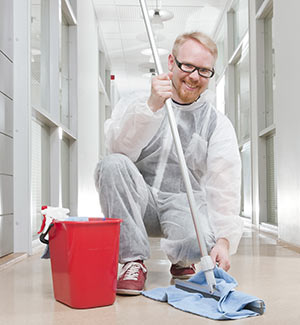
220,254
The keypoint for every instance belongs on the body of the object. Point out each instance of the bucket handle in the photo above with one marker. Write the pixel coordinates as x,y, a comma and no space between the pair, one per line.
43,235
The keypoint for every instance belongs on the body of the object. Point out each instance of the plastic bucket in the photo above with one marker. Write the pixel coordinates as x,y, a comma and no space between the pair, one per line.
84,261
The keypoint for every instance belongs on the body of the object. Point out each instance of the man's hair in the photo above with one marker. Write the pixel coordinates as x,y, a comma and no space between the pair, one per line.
201,38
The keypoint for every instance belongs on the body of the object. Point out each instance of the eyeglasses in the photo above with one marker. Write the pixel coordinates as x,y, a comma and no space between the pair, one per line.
189,68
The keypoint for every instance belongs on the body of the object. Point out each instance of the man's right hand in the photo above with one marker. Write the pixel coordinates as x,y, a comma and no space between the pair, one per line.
161,90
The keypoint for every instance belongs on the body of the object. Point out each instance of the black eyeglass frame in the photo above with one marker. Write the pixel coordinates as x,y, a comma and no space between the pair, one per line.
179,65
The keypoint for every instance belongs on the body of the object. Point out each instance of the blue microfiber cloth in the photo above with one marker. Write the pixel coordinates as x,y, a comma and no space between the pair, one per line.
46,253
230,306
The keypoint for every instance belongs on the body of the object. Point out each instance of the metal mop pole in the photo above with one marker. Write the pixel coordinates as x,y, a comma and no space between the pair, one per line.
206,261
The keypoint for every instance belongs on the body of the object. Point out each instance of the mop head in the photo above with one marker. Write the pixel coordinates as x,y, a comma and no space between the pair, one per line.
230,304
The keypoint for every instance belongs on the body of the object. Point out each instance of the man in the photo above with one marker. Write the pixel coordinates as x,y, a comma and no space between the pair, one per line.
140,181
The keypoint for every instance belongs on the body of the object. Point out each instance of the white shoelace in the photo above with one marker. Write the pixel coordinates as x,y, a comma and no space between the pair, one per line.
131,271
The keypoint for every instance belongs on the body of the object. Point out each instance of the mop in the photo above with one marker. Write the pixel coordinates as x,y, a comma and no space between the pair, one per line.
206,262
208,288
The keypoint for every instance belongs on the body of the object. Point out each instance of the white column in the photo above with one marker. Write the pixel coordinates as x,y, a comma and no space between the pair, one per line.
287,117
22,128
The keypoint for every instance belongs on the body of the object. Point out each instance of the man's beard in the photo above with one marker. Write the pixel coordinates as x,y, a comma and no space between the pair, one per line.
187,96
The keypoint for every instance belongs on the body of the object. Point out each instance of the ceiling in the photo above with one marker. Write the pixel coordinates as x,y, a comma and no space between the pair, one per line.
123,30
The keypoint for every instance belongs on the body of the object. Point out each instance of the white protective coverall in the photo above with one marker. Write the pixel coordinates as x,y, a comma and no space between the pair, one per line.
141,183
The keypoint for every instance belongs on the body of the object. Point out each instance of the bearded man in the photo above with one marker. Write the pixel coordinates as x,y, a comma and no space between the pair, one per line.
140,180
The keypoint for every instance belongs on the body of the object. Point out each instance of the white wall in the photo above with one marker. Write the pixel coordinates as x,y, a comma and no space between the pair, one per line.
88,112
287,117
6,127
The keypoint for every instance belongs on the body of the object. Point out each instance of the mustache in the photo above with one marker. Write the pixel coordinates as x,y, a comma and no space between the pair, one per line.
192,83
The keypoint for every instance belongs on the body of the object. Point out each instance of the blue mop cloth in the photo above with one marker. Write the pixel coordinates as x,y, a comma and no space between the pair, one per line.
230,306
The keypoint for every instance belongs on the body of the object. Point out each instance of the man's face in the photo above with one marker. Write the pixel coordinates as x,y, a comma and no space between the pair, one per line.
187,87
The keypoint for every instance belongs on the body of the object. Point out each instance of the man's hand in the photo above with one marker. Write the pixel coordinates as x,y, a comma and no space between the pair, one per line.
161,90
220,254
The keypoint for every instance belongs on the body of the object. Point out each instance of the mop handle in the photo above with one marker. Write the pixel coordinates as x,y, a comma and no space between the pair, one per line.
173,125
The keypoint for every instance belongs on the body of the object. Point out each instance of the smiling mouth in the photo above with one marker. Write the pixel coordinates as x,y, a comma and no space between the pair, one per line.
190,87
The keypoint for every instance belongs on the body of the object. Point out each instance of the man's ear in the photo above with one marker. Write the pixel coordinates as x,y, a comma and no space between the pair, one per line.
171,62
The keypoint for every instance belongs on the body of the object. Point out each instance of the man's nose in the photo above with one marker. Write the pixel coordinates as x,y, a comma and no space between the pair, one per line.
195,75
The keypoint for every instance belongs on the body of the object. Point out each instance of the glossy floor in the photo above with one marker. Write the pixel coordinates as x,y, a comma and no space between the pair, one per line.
262,267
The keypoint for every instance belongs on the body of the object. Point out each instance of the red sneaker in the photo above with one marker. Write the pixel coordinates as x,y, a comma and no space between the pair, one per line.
132,278
180,272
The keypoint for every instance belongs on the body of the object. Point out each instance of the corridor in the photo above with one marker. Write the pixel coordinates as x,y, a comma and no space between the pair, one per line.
262,268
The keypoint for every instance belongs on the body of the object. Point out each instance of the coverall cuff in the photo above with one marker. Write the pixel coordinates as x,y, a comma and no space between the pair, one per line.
158,113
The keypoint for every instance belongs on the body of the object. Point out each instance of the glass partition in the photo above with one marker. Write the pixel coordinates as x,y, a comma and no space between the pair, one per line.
269,69
40,169
246,202
40,76
240,20
220,64
271,182
64,73
242,97
65,172
220,95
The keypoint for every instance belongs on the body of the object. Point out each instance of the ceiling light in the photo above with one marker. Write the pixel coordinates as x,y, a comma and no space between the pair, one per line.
157,26
160,15
150,74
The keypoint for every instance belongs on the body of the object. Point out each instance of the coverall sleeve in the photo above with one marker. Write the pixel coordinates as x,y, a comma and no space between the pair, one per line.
223,183
131,127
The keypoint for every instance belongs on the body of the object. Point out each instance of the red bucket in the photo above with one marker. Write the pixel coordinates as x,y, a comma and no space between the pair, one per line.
84,261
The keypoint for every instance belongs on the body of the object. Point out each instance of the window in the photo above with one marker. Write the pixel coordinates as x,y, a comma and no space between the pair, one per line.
242,96
65,172
267,127
243,126
64,73
220,64
220,95
40,166
259,3
240,20
51,60
246,202
40,54
271,181
269,69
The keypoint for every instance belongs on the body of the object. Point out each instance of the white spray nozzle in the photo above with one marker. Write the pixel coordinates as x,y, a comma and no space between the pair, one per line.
54,213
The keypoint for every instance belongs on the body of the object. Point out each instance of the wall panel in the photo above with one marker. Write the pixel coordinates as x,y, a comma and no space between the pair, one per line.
6,197
6,76
6,157
6,115
6,28
6,234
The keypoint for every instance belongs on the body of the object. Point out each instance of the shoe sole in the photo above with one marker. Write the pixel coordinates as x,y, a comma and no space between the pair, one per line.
183,277
128,292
